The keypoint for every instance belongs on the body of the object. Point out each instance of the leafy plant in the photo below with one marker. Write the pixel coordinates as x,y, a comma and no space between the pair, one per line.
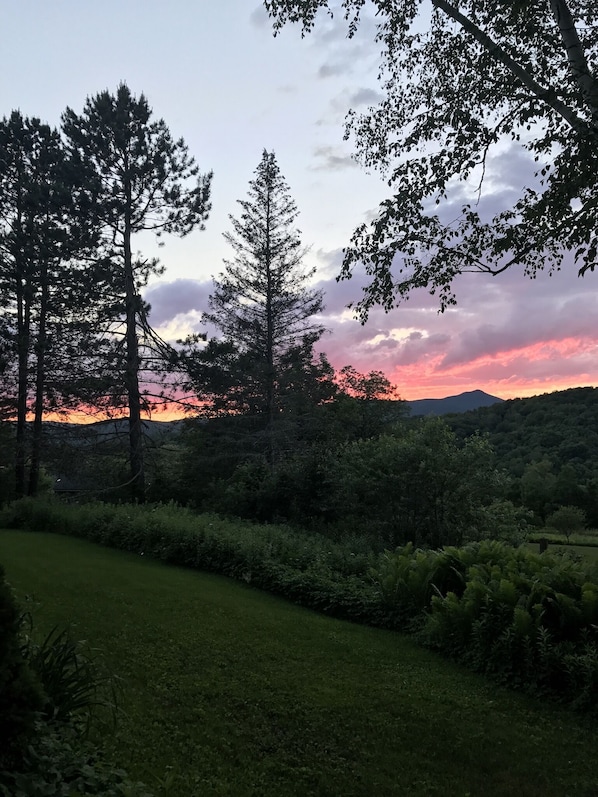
58,764
73,682
21,696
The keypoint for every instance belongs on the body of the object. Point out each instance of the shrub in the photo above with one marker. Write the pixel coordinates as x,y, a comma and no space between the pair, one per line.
58,763
529,620
567,519
21,696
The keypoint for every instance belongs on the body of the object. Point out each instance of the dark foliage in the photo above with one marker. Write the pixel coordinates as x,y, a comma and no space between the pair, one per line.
557,429
21,696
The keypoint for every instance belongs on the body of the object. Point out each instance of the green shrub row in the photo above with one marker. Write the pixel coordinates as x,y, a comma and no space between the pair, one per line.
528,620
308,569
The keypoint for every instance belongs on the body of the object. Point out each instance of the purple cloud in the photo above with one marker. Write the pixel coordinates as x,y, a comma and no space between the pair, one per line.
170,299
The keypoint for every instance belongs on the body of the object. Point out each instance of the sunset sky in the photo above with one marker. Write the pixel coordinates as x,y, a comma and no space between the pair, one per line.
219,79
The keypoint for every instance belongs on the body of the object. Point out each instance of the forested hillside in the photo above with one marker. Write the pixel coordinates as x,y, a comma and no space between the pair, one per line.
547,443
560,426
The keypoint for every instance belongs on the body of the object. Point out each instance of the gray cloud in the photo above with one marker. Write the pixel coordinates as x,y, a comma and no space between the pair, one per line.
259,17
170,299
365,96
331,69
333,28
331,159
343,55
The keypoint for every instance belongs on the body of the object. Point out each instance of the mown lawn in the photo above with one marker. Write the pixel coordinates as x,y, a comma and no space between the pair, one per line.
229,691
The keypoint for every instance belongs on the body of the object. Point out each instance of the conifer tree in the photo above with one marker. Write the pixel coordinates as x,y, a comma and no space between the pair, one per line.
147,182
264,309
47,295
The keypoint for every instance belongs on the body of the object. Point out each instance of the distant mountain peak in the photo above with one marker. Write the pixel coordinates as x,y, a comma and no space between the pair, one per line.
463,402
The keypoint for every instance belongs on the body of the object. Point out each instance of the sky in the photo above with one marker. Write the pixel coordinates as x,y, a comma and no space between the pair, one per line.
219,78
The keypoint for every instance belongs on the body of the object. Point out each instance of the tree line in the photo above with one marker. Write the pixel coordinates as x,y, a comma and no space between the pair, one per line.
74,330
548,445
73,327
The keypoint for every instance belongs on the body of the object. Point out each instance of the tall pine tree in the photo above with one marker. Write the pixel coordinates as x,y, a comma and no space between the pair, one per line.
148,182
46,292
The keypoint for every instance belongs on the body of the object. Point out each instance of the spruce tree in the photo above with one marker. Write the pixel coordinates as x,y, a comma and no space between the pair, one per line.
264,309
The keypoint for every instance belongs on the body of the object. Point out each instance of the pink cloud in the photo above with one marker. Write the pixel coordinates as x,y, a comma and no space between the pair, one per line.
508,335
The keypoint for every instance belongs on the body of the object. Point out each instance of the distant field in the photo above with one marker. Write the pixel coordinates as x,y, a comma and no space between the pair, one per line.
229,691
589,551
589,537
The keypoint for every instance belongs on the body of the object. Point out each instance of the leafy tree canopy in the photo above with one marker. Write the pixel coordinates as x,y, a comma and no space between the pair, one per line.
460,78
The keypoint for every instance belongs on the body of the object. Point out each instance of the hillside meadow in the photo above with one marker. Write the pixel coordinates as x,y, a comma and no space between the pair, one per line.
226,690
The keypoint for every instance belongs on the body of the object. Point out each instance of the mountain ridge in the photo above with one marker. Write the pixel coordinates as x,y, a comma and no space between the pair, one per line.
462,402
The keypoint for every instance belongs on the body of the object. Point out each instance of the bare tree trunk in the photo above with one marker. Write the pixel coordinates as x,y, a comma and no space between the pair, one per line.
270,371
40,379
132,370
23,324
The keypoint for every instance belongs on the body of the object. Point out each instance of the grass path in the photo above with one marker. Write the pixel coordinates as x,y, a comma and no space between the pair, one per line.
229,691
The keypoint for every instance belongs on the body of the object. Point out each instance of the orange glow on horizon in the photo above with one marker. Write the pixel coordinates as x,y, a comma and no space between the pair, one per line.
543,367
85,418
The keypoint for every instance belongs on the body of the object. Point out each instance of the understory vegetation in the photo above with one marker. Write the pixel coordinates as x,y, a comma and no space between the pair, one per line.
51,693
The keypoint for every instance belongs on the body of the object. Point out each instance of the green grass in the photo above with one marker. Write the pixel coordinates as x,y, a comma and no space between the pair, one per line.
589,538
588,551
229,691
